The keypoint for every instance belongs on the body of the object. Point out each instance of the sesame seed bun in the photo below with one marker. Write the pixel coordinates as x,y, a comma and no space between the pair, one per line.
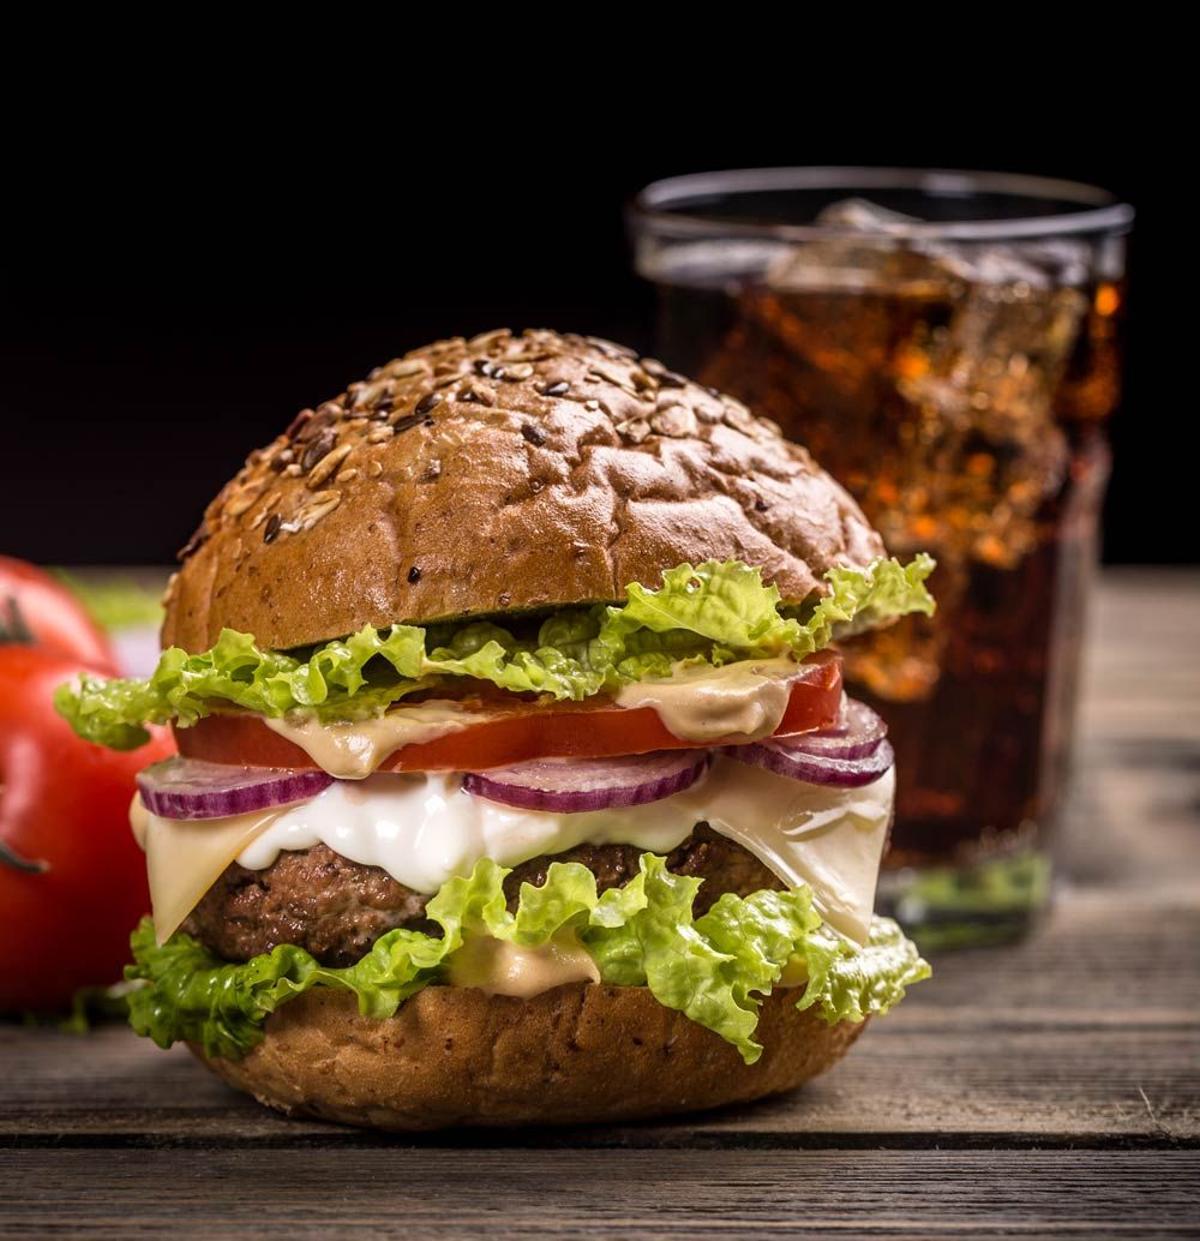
582,1053
500,474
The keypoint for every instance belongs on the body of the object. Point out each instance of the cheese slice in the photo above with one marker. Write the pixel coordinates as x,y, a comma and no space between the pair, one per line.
830,838
184,858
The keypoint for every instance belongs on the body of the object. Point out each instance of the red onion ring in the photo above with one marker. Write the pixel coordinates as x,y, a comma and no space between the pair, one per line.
572,786
857,734
780,756
190,788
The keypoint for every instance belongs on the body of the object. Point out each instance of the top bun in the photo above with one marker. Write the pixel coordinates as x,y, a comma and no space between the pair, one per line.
501,474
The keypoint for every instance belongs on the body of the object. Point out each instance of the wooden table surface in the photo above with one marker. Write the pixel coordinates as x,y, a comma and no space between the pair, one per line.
1049,1087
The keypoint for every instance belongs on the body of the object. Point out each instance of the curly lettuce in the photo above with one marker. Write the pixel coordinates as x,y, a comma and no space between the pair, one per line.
715,968
711,613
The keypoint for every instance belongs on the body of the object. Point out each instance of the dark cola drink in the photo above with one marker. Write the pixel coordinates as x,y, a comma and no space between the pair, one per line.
960,390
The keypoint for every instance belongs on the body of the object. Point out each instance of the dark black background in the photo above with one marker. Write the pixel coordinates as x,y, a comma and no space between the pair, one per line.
171,296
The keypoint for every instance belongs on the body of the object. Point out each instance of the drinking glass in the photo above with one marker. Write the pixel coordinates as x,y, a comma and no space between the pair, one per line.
947,345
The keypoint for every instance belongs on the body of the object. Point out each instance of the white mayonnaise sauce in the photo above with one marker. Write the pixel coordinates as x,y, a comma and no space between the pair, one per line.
423,829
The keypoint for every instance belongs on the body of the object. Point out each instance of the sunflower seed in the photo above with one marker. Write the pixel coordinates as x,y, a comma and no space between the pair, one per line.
243,500
317,448
327,466
264,508
634,430
323,503
297,423
534,435
666,378
676,420
610,348
484,339
199,537
477,394
430,401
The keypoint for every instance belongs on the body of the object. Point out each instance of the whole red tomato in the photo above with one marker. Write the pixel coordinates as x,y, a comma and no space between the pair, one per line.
72,879
37,610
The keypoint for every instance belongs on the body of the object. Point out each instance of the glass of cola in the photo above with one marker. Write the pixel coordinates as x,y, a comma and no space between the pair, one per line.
948,346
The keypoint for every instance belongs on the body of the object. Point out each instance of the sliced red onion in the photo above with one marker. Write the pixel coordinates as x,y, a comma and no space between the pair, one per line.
190,788
780,756
570,785
857,734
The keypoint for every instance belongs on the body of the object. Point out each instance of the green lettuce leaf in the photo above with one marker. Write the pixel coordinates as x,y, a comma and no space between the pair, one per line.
713,613
715,968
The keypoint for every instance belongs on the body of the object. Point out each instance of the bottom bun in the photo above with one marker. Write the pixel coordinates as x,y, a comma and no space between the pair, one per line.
580,1053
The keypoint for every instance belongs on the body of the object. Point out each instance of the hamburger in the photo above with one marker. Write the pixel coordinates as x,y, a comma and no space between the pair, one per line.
516,782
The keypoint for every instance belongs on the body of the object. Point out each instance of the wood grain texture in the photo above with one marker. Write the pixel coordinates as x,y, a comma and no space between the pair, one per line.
429,1193
1051,1087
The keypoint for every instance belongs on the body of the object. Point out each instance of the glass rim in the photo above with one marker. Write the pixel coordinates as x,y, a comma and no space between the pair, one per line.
656,206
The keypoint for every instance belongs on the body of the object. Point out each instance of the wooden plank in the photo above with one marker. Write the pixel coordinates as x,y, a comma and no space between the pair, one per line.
405,1191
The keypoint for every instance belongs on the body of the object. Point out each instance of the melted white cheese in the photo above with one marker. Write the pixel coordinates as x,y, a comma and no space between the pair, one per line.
184,858
830,838
423,830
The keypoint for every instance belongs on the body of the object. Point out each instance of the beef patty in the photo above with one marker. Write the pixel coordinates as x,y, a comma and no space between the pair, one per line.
336,909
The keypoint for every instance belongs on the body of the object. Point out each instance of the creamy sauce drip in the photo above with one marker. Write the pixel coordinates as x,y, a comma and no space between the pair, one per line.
740,702
502,968
352,751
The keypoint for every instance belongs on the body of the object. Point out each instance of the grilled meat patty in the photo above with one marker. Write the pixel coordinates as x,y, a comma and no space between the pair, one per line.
336,909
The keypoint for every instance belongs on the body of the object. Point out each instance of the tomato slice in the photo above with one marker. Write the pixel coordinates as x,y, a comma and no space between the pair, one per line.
517,733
